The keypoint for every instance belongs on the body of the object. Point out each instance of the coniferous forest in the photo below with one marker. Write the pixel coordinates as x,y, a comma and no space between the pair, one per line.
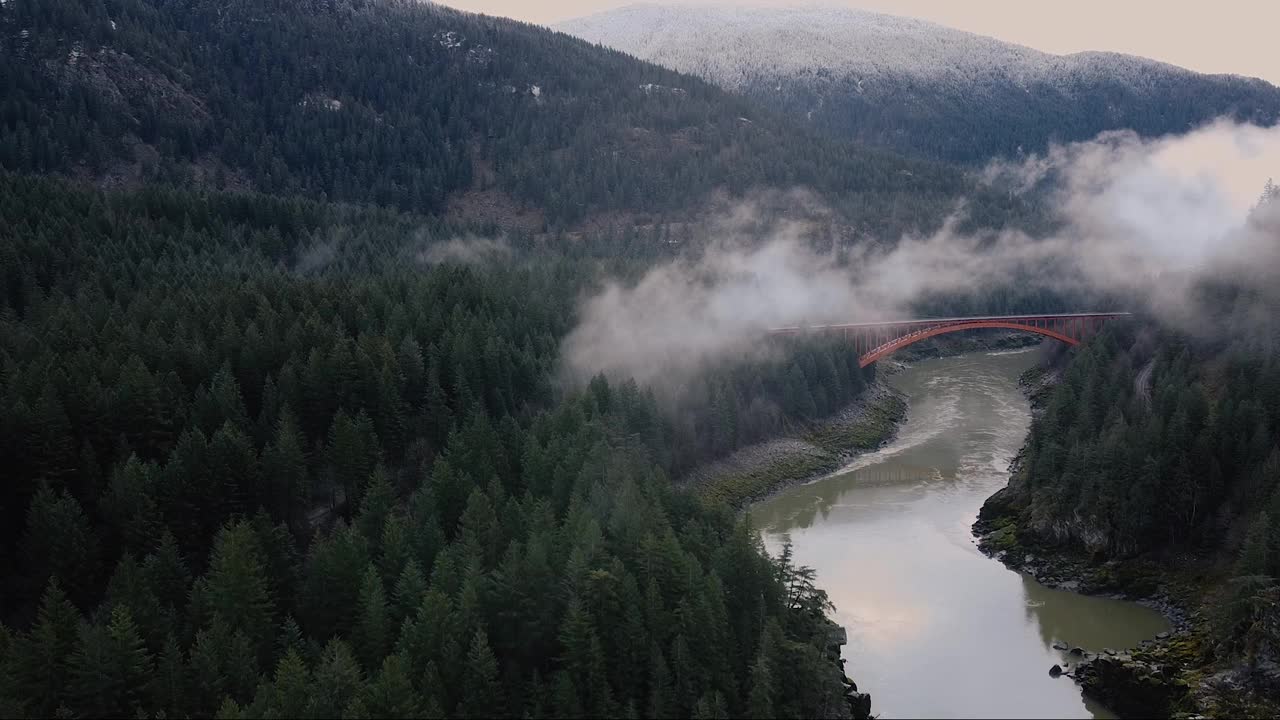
262,458
271,447
1159,446
239,483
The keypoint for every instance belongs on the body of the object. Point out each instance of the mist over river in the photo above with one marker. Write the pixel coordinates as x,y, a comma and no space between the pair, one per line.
936,629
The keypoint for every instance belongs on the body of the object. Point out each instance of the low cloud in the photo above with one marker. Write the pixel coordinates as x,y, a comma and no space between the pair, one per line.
1138,218
467,250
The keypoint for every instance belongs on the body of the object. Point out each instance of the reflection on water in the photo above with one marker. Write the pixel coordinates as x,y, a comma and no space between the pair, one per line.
935,628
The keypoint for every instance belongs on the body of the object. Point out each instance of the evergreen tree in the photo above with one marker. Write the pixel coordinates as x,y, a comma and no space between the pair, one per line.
337,682
482,694
285,471
236,591
290,692
391,694
58,542
373,630
169,687
110,669
410,589
42,659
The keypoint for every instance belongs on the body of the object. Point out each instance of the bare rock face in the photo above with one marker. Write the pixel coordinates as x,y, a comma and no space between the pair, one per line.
1132,688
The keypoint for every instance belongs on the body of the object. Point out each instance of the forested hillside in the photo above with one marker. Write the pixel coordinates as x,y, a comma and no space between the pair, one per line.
241,480
413,106
1162,445
283,426
921,88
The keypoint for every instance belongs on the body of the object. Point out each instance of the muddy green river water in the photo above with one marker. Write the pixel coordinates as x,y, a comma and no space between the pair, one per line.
936,629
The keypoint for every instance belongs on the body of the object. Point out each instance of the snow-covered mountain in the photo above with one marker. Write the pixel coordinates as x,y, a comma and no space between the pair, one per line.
921,87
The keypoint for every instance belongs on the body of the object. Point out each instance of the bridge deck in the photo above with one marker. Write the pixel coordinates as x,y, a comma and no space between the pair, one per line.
957,320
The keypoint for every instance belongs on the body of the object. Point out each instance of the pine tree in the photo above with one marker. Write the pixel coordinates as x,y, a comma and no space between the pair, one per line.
578,638
351,455
52,445
285,472
291,638
234,463
478,530
58,542
128,588
289,694
396,545
567,701
235,590
337,681
43,656
168,691
760,701
130,506
410,589
329,597
482,695
391,694
376,506
372,634
661,700
711,706
223,664
111,668
166,572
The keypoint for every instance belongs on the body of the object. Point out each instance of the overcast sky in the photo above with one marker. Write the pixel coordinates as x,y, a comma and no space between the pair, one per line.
1235,36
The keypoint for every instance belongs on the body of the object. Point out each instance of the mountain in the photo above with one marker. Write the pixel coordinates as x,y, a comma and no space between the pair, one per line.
406,105
922,88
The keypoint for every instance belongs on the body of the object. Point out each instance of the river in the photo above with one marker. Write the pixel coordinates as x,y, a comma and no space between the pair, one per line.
937,629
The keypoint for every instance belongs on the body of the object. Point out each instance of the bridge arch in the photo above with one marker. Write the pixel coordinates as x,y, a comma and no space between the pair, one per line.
875,340
915,337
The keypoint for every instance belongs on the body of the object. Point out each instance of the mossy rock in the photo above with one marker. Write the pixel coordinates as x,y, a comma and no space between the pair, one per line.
739,489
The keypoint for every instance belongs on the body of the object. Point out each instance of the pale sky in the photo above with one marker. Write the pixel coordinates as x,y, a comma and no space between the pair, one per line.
1222,36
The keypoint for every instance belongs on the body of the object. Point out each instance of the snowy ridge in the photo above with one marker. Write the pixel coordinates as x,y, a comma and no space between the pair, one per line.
919,87
732,46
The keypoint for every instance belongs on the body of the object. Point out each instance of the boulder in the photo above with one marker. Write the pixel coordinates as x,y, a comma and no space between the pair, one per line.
1055,671
1077,650
1131,688
1059,645
860,705
1162,635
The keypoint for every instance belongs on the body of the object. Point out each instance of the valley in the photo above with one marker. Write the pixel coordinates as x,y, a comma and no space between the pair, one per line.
377,358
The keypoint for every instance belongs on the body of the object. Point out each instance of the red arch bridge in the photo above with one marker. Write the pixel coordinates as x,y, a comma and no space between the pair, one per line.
878,339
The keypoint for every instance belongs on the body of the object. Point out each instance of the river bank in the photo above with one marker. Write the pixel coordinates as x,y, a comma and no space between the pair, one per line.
759,471
1176,674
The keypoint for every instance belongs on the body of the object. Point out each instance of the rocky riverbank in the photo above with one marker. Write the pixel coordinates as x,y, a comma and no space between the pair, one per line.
1175,674
755,472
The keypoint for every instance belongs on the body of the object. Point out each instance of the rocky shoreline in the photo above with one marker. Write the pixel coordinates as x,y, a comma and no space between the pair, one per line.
1171,675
